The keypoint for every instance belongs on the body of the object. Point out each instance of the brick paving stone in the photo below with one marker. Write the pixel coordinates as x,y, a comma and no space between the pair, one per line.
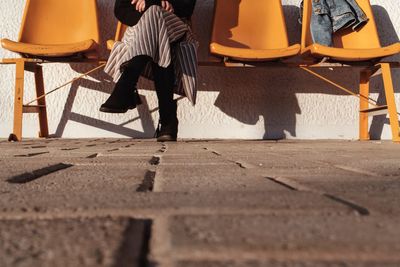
10,168
80,242
360,184
193,159
284,237
275,263
378,194
116,161
381,158
231,177
164,203
84,179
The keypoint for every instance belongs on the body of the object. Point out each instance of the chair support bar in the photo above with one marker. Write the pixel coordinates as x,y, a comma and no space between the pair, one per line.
367,72
65,84
369,100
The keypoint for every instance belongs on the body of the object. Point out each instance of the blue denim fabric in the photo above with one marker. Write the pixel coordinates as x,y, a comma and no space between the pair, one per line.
330,16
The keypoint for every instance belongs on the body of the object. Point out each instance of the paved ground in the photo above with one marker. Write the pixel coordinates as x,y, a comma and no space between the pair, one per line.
109,202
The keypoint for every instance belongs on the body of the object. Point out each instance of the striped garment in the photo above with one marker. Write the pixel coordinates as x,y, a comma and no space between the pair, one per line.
166,38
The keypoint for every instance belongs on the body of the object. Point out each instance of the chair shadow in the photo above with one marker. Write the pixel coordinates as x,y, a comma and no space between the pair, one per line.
230,21
103,84
249,94
388,35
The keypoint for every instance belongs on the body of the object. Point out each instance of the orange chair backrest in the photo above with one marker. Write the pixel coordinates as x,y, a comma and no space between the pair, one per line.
255,24
48,22
364,38
121,28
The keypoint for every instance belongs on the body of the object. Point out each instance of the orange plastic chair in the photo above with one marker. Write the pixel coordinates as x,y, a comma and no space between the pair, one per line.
250,30
51,31
121,28
349,45
353,46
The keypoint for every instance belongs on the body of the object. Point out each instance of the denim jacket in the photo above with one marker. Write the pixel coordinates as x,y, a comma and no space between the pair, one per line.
330,16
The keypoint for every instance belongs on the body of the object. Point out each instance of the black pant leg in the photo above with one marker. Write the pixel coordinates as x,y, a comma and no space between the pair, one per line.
164,79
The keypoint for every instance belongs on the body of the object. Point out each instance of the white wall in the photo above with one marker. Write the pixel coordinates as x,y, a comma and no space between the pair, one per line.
232,103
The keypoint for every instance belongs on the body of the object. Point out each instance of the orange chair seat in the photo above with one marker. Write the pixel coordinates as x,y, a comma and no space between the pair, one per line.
58,50
348,54
248,54
110,44
250,30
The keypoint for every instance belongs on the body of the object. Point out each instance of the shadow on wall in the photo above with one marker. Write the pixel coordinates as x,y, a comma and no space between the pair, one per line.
387,34
244,94
247,94
104,84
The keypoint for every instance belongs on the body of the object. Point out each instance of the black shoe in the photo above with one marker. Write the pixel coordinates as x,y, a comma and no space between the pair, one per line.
167,132
115,104
114,109
125,95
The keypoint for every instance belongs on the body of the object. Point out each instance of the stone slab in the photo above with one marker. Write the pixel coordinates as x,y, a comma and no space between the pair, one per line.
288,263
79,242
100,202
281,237
229,177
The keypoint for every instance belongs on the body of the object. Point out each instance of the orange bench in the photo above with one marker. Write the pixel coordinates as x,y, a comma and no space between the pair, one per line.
253,32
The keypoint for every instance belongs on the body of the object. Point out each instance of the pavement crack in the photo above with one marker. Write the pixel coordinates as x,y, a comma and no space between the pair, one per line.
36,174
361,210
31,154
155,160
244,165
241,165
147,184
92,156
68,149
135,247
216,153
355,170
293,185
163,149
277,181
38,146
213,151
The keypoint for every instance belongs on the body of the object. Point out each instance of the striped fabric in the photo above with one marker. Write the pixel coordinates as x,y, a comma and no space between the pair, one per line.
167,39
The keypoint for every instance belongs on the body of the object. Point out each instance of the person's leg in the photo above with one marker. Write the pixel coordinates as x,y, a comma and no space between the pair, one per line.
164,79
125,95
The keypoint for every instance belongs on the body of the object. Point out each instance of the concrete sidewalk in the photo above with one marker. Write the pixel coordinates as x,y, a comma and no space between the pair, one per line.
109,202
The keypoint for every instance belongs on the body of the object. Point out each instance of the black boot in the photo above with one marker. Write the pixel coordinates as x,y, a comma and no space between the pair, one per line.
125,95
164,82
167,130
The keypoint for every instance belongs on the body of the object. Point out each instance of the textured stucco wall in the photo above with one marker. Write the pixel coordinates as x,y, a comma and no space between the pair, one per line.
232,103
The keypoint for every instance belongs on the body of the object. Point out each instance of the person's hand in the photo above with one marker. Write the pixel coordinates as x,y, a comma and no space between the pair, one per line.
140,5
167,6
